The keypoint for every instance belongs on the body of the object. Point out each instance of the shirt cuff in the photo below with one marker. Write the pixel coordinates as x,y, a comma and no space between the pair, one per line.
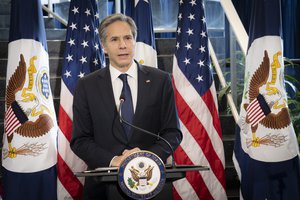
110,163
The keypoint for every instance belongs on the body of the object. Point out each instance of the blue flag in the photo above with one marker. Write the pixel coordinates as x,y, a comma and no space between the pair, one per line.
29,153
266,152
145,51
83,54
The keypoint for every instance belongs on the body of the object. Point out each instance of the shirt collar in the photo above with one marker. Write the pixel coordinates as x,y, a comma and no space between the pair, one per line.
132,71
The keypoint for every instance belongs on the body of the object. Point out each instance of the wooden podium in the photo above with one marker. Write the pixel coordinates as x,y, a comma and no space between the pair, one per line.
109,175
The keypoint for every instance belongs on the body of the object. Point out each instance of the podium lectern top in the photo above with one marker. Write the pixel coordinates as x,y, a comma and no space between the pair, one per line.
107,174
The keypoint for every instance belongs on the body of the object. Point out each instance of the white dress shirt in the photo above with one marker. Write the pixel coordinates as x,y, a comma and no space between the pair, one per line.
117,83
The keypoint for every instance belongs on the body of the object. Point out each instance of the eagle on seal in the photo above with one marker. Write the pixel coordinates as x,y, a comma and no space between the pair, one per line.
271,120
16,119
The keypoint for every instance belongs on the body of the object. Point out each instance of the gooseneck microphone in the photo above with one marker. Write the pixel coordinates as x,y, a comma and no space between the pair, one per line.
122,99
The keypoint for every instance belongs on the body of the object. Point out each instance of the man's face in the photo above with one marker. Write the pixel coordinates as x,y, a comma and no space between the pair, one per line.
119,45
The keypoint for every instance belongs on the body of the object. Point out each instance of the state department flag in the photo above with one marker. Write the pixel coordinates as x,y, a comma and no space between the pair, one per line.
197,106
145,50
29,153
266,153
83,54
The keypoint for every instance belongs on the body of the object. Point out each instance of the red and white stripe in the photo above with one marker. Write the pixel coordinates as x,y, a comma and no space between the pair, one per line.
255,113
69,186
202,141
11,121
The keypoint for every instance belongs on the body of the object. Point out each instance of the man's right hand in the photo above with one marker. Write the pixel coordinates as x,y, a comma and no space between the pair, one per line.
117,160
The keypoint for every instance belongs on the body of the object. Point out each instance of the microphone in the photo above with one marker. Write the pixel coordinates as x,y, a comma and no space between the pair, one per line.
122,99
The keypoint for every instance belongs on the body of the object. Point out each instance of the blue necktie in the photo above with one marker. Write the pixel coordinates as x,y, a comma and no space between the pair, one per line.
127,107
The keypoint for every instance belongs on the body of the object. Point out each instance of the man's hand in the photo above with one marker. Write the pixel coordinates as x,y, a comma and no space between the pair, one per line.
126,152
117,160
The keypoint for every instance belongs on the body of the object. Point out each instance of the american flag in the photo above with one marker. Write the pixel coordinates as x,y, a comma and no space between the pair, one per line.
83,54
196,101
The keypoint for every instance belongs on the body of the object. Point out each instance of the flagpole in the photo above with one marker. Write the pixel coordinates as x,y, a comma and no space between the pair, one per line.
60,19
236,24
222,81
118,6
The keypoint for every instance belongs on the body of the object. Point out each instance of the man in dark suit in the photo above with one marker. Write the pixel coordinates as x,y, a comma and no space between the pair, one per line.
98,137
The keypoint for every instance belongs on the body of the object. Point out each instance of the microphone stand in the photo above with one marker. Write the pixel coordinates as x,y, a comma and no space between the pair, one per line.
175,172
122,99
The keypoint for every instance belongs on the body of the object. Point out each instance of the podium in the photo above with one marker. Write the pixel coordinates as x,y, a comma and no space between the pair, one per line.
142,175
109,175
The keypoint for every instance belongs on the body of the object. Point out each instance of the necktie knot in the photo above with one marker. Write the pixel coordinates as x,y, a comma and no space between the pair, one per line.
123,77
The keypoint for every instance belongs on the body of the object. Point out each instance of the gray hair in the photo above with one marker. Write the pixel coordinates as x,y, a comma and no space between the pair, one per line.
114,18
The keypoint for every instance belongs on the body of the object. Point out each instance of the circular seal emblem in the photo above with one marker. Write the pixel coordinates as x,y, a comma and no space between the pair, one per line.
43,84
142,175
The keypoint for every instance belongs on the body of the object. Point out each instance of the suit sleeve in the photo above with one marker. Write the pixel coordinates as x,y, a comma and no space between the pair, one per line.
82,142
170,129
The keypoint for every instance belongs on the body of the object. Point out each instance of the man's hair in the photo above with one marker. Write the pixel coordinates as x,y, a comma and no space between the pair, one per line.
114,18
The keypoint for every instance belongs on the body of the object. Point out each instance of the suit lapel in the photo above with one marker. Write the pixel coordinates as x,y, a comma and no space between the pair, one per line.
109,105
144,88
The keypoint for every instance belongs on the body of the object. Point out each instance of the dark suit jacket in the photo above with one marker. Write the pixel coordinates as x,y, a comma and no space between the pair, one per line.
97,132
